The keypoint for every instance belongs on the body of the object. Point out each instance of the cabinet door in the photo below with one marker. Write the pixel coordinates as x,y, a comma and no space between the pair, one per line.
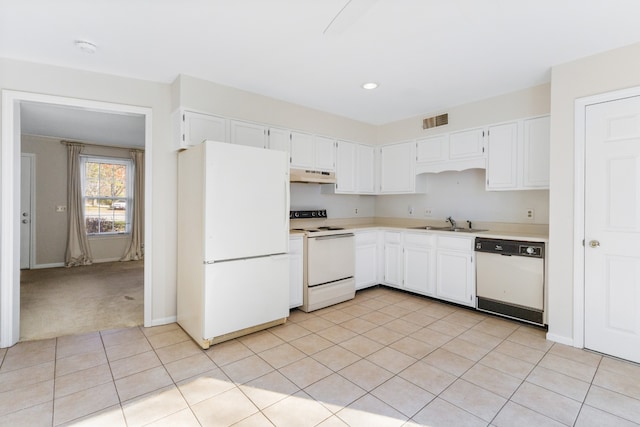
302,151
397,168
502,160
345,167
366,259
418,269
295,271
279,139
433,149
197,127
393,259
325,153
365,177
536,153
250,134
467,144
454,278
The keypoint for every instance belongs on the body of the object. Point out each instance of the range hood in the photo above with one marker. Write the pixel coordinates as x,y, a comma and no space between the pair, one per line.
312,176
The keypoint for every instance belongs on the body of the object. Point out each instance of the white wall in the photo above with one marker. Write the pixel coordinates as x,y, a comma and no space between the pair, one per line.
462,196
209,97
51,80
609,71
529,102
310,196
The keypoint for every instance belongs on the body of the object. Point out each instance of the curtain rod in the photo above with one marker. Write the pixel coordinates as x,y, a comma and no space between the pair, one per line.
84,144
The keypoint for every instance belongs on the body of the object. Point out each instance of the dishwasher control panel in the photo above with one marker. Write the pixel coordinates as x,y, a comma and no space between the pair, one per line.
510,247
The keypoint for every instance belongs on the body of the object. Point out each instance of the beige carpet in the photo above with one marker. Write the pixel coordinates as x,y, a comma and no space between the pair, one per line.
67,301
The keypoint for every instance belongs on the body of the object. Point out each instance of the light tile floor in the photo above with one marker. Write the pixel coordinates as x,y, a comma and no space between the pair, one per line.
386,358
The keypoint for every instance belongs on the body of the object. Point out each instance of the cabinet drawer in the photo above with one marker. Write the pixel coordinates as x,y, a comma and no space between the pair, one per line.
392,237
456,243
418,239
366,238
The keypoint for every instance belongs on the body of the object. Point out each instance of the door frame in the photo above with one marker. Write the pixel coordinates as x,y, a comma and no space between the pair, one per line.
579,247
32,218
10,210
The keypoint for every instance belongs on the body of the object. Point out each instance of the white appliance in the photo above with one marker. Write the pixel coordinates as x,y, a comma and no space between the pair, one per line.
329,273
510,278
233,239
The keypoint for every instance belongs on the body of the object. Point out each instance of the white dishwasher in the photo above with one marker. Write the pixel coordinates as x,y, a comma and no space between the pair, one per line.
510,278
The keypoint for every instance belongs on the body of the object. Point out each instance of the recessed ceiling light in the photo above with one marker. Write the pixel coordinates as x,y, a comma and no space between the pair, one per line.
370,85
85,46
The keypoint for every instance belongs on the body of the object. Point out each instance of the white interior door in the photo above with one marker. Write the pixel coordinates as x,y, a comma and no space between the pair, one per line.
612,228
26,208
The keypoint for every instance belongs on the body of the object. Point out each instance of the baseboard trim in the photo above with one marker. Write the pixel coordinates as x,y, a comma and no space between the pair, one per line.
560,339
51,265
98,261
163,321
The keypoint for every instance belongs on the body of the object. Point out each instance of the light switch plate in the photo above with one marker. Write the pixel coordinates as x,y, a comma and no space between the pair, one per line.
61,208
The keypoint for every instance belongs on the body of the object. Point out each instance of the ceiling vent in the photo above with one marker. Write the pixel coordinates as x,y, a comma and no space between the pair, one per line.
435,121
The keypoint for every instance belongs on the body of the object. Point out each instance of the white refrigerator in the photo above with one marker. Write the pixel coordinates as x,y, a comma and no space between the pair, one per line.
233,240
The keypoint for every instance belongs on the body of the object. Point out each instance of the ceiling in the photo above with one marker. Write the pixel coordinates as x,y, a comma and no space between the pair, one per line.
426,55
78,124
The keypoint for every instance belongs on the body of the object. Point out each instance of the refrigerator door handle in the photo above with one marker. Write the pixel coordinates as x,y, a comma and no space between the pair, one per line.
209,262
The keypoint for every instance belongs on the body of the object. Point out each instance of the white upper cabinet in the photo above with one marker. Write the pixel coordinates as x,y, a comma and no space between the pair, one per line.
518,155
251,134
346,167
354,169
397,168
325,153
365,170
312,152
451,152
502,157
466,144
192,128
536,143
279,139
302,150
432,149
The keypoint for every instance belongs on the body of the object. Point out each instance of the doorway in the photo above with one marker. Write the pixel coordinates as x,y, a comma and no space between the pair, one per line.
10,220
607,304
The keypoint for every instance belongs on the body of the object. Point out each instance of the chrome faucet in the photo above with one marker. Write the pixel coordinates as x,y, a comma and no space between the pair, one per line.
452,221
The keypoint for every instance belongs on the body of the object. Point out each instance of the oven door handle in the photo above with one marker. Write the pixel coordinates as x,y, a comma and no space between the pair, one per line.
335,236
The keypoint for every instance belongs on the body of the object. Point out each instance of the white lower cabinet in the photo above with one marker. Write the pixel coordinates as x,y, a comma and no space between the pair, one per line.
393,258
366,259
296,266
418,265
435,265
455,278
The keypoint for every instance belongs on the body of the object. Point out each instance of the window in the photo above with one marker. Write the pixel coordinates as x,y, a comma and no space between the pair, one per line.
108,194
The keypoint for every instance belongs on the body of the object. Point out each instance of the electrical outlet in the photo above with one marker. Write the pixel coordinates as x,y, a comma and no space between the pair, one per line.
410,210
356,211
531,214
428,212
61,208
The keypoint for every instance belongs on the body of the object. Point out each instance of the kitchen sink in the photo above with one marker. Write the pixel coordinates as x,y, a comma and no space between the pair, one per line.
456,229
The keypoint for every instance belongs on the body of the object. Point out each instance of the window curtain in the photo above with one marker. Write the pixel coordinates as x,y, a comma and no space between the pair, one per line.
135,250
78,251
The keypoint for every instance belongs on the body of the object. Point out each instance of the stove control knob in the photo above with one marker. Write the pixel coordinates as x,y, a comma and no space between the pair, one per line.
313,213
530,250
296,214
